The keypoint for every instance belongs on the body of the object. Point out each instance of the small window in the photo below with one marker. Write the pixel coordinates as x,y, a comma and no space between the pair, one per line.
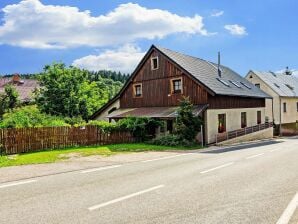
176,86
297,106
223,82
221,123
259,117
235,84
247,86
285,107
243,120
290,87
276,85
138,90
258,85
154,63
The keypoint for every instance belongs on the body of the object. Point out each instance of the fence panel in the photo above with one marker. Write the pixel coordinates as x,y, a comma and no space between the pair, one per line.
21,140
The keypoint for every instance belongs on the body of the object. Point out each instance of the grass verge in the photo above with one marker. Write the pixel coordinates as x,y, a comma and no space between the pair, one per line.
51,156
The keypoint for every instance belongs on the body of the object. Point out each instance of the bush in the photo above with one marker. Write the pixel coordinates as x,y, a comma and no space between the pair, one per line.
30,116
141,127
172,140
188,125
168,140
105,126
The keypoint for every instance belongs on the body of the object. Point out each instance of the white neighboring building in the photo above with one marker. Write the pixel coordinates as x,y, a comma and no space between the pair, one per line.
283,87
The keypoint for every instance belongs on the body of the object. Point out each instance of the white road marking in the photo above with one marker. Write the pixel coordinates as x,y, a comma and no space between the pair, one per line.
100,169
273,150
167,157
124,198
218,167
17,183
254,156
288,213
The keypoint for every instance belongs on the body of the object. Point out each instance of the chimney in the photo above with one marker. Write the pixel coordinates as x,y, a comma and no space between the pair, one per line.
16,78
288,72
218,65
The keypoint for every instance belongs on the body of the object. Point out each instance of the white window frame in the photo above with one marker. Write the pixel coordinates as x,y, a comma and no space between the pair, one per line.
152,64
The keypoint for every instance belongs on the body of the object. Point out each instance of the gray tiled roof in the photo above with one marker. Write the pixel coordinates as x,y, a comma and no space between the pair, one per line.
206,73
283,85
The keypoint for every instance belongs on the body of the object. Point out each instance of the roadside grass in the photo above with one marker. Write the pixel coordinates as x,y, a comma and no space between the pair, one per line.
51,156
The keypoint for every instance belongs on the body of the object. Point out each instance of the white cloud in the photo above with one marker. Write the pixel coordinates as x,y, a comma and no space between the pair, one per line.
32,24
217,13
236,29
123,59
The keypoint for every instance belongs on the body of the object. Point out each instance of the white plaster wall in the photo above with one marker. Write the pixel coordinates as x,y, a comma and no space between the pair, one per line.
104,114
233,120
291,116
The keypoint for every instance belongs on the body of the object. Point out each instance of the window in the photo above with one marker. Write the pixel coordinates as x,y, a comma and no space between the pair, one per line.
235,84
259,117
154,63
223,82
221,123
276,85
297,106
247,86
285,107
176,85
290,87
138,90
258,85
243,120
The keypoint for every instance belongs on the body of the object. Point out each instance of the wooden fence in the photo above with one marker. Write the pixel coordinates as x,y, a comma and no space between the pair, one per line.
21,140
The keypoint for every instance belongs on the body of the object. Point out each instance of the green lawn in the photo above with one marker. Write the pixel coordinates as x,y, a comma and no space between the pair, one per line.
51,156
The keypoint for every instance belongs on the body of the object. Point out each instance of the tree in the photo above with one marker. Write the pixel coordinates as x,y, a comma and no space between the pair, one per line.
187,125
67,91
9,99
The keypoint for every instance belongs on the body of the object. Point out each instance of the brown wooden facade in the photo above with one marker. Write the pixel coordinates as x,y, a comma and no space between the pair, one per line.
156,89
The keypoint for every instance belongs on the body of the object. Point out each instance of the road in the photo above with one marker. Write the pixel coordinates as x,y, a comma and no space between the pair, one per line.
248,184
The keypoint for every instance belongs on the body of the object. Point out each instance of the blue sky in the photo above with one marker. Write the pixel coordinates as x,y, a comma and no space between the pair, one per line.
259,35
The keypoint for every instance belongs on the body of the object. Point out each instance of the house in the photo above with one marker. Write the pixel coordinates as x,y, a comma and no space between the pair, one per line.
25,87
283,88
225,100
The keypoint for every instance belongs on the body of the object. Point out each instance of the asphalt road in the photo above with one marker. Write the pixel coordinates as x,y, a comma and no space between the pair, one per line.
246,184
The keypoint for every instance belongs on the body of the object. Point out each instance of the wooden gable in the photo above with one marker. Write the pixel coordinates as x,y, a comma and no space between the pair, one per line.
156,85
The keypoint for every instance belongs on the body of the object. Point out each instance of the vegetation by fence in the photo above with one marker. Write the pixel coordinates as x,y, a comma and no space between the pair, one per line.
21,140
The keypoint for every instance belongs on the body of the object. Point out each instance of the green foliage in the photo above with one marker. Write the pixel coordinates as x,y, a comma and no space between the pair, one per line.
9,99
67,92
141,127
170,140
187,125
105,126
29,116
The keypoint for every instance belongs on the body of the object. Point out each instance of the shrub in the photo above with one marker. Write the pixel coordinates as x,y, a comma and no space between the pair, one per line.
188,125
171,140
30,116
168,140
141,127
104,125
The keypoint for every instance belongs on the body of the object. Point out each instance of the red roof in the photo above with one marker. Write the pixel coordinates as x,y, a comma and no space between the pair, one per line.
24,87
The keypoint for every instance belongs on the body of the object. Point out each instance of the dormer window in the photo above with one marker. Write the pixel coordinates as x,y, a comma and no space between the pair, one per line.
154,63
176,85
138,90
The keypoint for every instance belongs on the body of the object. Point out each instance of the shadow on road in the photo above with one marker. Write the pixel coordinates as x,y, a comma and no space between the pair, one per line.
244,146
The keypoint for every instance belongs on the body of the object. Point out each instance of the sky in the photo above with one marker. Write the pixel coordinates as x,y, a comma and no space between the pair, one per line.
115,34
